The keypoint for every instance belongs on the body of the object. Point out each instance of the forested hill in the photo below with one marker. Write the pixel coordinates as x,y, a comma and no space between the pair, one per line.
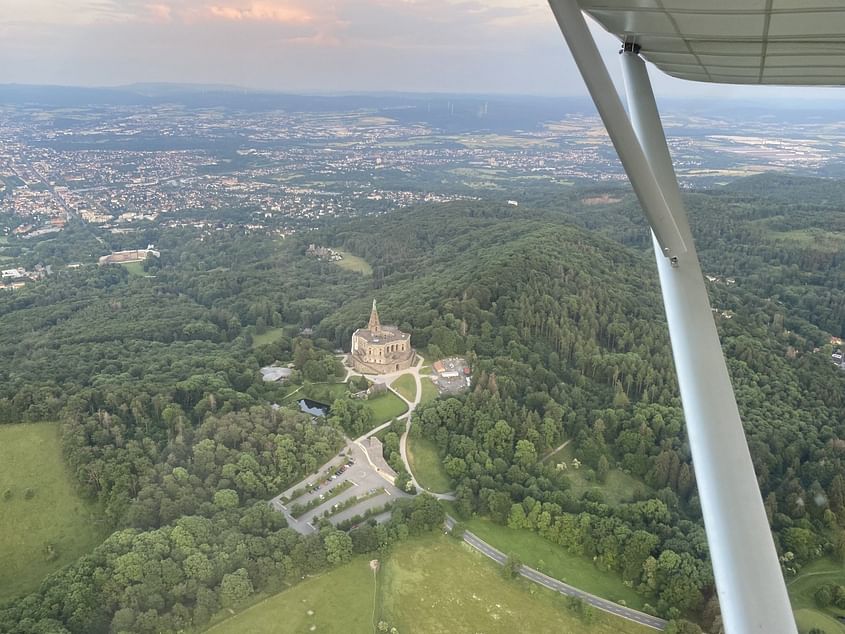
779,237
166,421
567,335
480,277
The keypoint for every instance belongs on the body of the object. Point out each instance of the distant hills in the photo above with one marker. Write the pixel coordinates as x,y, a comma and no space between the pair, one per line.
450,113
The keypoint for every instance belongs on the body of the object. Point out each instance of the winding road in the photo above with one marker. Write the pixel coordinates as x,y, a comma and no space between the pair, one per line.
559,586
473,540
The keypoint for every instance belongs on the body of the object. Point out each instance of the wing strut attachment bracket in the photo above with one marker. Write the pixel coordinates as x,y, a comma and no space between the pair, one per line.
603,92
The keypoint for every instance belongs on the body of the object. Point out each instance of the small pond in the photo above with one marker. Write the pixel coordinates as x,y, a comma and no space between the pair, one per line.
314,408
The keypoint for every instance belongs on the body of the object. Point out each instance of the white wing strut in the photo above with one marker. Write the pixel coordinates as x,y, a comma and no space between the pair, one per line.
619,128
751,589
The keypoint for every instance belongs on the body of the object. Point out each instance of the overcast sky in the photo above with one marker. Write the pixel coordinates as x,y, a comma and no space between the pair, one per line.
307,46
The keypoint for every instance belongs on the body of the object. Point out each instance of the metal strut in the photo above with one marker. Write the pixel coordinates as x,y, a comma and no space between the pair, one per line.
749,581
618,126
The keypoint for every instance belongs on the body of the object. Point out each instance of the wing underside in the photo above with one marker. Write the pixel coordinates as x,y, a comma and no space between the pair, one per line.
800,42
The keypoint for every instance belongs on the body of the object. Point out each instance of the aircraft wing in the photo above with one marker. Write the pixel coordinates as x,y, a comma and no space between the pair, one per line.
800,42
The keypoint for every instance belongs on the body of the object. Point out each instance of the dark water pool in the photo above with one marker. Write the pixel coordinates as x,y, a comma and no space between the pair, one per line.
314,408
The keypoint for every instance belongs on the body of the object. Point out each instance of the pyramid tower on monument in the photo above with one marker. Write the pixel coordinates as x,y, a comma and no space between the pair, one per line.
375,325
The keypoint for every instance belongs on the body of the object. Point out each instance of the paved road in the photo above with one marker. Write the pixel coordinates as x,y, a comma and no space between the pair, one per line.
362,475
471,539
53,193
387,379
558,586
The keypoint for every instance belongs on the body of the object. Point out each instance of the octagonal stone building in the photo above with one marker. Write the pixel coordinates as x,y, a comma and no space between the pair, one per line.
379,349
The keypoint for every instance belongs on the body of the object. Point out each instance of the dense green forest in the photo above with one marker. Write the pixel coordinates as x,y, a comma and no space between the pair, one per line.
167,423
567,338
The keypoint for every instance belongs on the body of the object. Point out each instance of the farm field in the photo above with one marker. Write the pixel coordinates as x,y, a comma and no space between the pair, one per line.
48,530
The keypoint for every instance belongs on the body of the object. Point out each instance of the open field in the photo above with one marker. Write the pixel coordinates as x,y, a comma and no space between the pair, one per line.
406,386
340,601
619,487
426,465
426,585
808,619
134,268
321,392
812,238
386,407
437,584
31,458
355,264
802,590
268,336
540,553
502,141
429,391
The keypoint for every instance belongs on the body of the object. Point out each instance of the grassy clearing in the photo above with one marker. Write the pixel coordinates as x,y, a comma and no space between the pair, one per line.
340,601
134,268
429,391
426,465
426,586
386,406
406,386
31,458
426,369
355,264
809,619
803,588
551,455
555,561
437,584
812,238
270,335
619,486
503,141
321,392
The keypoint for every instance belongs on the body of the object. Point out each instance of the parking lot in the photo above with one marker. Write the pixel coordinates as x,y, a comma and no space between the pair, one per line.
325,491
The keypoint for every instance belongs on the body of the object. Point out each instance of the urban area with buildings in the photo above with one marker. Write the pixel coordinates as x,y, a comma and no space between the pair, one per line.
120,168
123,165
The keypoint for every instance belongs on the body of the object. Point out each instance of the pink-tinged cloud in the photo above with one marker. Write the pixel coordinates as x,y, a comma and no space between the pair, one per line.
262,12
160,12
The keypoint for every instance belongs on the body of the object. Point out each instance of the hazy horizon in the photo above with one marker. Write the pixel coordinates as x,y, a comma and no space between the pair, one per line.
162,90
495,47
